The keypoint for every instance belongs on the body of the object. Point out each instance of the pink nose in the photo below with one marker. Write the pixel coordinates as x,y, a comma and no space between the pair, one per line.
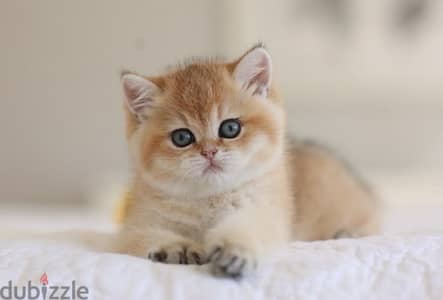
209,154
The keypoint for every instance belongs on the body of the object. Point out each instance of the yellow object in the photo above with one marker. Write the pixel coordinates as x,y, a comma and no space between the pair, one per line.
122,206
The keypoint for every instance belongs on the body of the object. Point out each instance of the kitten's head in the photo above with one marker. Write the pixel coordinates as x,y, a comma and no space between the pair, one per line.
206,127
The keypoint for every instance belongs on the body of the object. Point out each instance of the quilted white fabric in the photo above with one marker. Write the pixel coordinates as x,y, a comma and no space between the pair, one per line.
385,267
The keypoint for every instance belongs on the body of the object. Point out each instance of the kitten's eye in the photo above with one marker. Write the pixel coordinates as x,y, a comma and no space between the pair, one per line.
182,137
229,129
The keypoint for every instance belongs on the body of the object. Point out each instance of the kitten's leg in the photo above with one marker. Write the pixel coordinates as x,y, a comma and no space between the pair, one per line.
237,244
163,246
369,224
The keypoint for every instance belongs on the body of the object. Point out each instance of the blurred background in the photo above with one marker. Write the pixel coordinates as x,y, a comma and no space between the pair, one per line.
364,77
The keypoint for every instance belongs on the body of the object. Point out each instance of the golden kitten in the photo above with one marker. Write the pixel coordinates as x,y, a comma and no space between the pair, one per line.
215,180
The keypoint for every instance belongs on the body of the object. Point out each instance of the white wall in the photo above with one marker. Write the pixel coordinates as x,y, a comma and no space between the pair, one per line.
61,124
376,97
373,93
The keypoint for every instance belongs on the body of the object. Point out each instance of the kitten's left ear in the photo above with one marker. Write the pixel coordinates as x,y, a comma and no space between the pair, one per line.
139,93
254,71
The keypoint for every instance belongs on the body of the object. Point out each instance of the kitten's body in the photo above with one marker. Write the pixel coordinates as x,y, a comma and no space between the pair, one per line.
262,193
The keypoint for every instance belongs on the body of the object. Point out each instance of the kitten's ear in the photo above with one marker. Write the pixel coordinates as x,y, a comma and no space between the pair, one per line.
139,93
254,71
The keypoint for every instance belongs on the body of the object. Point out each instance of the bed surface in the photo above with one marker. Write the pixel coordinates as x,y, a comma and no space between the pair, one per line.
384,267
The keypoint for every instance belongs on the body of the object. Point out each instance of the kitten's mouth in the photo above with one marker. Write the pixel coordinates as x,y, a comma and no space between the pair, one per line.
212,168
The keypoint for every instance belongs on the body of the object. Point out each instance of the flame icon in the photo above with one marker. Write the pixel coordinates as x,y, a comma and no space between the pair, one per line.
44,279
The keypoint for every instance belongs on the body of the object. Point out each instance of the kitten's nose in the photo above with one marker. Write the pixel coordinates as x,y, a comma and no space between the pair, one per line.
209,153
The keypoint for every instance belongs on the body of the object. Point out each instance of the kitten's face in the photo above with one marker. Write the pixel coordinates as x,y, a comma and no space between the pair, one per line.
203,132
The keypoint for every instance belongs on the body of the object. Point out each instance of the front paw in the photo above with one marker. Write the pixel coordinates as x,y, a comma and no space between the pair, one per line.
231,260
178,253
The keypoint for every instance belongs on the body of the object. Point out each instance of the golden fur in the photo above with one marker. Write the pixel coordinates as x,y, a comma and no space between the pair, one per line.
269,191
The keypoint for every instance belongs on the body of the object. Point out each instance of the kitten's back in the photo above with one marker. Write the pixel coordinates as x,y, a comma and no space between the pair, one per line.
331,200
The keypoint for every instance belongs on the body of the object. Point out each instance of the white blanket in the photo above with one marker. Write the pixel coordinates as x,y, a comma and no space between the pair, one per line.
390,267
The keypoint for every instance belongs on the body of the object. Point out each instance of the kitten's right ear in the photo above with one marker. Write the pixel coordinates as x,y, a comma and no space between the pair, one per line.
139,93
253,71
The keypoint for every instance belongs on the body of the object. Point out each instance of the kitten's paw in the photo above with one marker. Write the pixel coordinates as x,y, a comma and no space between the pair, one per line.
230,260
345,234
178,253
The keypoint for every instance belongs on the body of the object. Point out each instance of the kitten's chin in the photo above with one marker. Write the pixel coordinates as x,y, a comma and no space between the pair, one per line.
212,182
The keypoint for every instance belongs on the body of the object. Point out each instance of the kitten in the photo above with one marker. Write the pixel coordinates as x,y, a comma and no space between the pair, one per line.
215,180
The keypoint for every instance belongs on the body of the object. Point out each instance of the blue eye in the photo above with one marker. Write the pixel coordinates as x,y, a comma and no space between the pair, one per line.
229,129
182,137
